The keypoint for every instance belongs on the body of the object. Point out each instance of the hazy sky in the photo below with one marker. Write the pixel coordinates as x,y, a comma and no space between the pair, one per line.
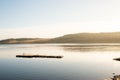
51,18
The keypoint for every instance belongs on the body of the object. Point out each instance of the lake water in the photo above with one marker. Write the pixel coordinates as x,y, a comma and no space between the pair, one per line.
80,62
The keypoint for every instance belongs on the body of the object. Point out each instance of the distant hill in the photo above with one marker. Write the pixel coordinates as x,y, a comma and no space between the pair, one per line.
111,37
23,41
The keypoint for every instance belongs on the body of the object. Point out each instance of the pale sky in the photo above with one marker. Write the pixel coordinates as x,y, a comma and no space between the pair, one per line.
53,18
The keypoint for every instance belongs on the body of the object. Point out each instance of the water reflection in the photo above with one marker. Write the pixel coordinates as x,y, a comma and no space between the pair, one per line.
96,64
91,48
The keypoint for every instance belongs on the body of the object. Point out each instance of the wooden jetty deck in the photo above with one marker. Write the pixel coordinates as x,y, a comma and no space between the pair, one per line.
38,56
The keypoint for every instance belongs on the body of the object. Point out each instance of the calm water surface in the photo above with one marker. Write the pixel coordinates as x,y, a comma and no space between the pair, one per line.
80,62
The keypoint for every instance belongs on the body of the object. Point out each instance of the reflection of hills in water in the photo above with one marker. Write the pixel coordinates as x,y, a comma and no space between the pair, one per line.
68,47
92,47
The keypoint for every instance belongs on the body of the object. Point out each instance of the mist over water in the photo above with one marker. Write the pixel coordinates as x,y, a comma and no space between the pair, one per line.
80,62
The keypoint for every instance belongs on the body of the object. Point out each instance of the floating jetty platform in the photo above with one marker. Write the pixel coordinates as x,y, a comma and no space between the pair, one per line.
117,59
38,56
